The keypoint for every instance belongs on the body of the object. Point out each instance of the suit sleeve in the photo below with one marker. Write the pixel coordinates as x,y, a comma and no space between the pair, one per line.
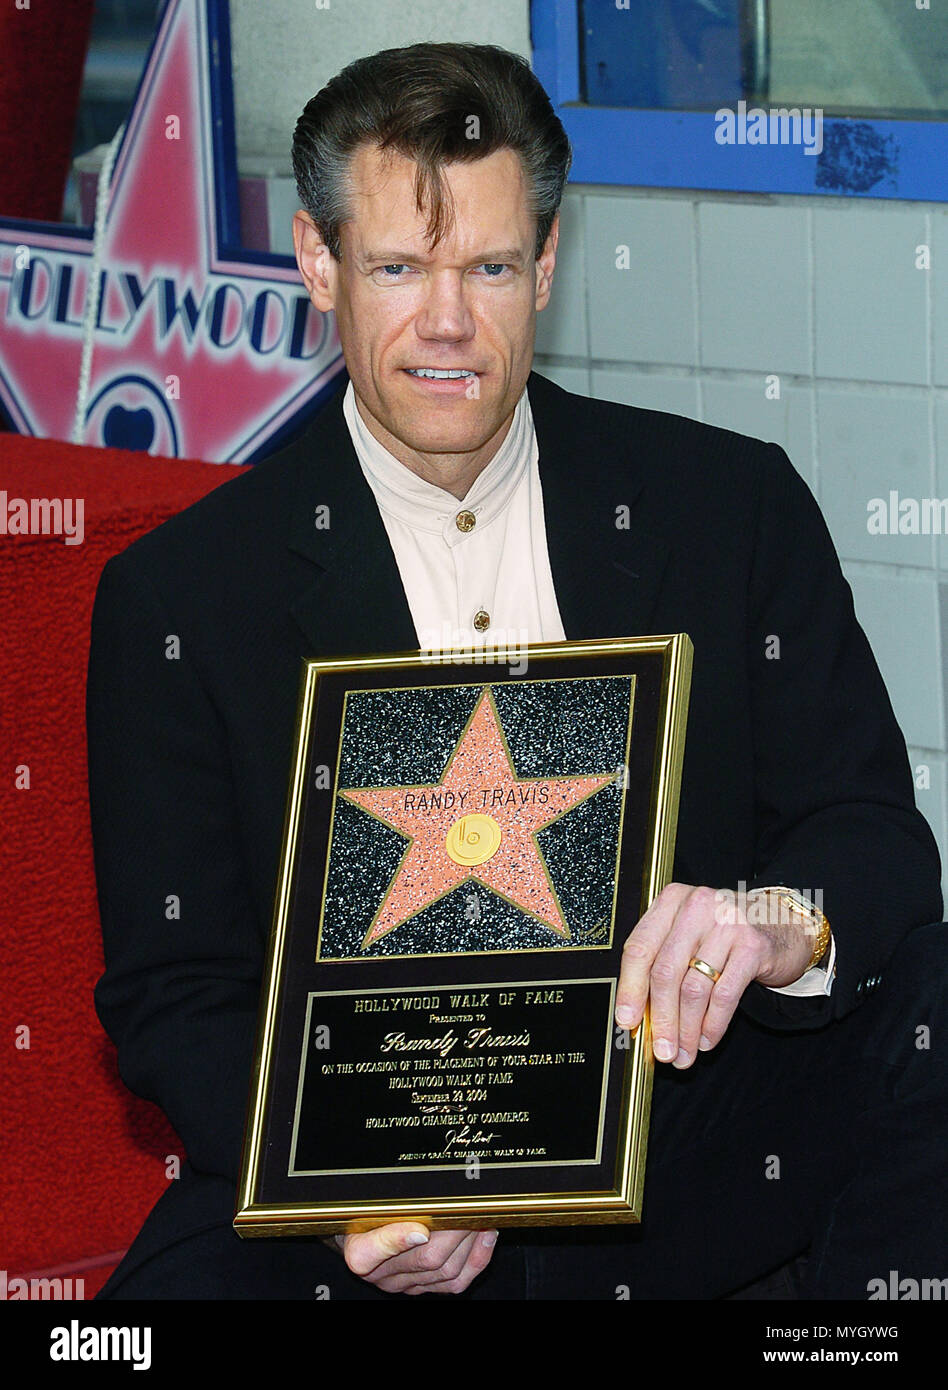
183,952
835,804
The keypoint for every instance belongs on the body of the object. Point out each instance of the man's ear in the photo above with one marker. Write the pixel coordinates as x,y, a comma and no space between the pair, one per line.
315,261
546,264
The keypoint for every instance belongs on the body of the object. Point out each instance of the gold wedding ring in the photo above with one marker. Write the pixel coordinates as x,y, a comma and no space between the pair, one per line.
705,969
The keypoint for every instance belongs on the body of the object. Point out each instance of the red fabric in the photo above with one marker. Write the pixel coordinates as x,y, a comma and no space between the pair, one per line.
44,49
81,1160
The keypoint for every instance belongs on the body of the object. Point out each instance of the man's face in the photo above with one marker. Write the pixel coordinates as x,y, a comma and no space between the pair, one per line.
468,304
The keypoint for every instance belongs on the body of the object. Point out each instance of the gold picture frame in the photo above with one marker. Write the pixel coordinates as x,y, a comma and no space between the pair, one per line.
441,880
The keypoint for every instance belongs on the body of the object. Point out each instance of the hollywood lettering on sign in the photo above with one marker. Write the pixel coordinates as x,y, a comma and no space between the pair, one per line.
200,349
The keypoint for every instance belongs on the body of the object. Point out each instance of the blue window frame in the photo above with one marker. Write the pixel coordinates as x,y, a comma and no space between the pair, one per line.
669,148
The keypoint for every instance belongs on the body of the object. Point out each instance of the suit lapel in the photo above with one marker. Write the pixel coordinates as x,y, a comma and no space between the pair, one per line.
606,566
354,602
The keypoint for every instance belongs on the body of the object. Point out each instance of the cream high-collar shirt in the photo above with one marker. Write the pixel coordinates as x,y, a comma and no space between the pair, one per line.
476,572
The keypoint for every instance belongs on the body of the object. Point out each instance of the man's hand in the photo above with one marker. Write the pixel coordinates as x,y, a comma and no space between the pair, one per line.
405,1258
689,1011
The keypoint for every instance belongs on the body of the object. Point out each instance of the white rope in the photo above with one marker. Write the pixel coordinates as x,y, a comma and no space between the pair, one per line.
94,285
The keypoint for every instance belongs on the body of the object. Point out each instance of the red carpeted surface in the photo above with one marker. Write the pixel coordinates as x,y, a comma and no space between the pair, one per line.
43,45
81,1160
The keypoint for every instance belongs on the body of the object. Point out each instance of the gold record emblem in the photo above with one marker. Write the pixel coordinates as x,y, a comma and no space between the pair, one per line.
473,839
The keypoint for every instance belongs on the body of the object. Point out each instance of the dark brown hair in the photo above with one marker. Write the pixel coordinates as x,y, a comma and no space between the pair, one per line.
433,103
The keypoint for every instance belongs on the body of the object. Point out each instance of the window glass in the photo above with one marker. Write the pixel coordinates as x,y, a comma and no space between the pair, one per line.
873,58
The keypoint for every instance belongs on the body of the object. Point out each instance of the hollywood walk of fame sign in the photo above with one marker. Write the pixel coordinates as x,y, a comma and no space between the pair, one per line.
199,348
465,851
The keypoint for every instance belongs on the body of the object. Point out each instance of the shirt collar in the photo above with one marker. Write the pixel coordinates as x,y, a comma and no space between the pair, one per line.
423,506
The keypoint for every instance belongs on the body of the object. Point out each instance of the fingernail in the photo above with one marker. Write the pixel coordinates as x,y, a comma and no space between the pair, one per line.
683,1058
704,1043
625,1015
417,1238
488,1239
664,1050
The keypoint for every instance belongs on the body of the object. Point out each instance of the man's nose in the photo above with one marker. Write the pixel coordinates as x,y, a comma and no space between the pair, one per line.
445,312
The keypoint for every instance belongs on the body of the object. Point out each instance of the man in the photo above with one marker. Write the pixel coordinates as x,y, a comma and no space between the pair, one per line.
485,503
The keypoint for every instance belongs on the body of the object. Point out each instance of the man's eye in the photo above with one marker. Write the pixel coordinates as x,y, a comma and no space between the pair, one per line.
496,266
395,269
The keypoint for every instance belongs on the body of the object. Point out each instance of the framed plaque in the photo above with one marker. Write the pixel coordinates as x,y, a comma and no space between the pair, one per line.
469,839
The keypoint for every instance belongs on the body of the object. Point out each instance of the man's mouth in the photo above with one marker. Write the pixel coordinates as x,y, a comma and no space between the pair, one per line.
439,374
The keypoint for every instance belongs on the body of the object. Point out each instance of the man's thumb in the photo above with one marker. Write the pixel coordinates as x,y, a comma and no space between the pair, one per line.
365,1251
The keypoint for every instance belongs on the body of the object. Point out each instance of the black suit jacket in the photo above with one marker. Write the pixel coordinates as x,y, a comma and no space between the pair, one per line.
795,771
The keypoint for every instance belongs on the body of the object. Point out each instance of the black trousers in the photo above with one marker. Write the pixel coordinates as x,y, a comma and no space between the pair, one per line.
831,1141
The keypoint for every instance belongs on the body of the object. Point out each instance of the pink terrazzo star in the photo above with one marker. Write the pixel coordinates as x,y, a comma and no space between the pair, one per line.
479,780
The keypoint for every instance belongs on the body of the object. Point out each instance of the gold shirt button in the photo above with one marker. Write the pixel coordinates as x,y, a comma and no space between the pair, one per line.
481,621
465,521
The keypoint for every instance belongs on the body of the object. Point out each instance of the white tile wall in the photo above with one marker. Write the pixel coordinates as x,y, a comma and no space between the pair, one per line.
941,464
754,309
645,313
678,395
870,300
